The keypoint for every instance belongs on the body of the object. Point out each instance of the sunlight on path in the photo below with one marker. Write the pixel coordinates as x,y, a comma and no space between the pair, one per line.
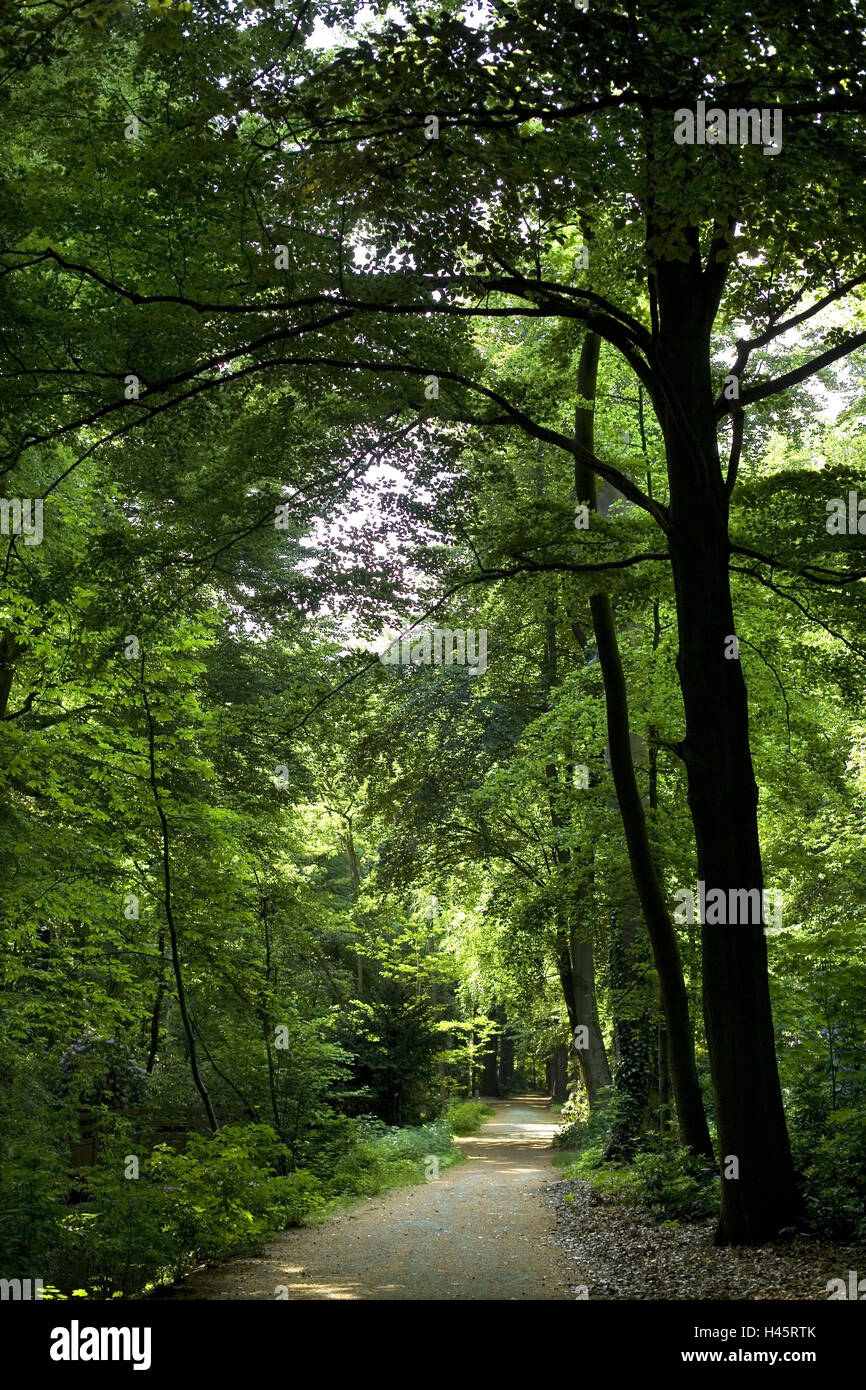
480,1231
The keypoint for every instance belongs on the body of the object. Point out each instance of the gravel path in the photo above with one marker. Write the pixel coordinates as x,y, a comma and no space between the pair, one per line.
480,1231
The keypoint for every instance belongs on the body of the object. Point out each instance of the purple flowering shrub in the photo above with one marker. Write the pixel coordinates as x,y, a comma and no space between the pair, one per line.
102,1071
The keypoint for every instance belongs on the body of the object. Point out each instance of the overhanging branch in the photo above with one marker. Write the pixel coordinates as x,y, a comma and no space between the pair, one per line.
765,389
486,576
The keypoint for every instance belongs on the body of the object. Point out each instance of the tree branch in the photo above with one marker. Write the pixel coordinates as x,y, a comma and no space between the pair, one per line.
487,576
764,389
835,576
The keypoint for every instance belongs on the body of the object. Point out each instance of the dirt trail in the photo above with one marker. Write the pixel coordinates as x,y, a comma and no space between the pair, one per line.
480,1231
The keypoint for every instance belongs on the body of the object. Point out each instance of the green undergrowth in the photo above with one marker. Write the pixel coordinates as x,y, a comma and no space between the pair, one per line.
147,1220
662,1178
388,1157
834,1177
465,1116
667,1182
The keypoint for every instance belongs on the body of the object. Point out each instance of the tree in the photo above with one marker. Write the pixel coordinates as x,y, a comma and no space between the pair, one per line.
688,204
704,250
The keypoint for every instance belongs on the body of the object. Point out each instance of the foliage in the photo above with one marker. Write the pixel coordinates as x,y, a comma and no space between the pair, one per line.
151,1218
581,1129
835,1180
222,1196
393,1158
223,822
34,1169
465,1116
669,1182
99,1071
393,1042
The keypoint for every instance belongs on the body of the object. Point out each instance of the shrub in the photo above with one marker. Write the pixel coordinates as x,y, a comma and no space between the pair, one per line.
465,1116
219,1198
102,1071
835,1180
390,1158
35,1134
393,1041
670,1182
581,1127
359,1173
416,1143
226,1194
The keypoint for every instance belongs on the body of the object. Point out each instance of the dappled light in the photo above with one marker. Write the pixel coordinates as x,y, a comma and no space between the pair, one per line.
432,640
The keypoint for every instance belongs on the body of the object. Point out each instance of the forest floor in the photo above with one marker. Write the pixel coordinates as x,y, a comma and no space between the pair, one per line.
479,1231
624,1253
504,1226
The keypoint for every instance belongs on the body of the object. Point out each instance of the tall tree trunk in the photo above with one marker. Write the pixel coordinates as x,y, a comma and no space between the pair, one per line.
663,1069
157,1009
694,1130
471,1090
722,793
355,877
250,1110
9,652
559,1074
592,1063
574,956
506,1060
631,1031
265,1019
169,916
488,1070
664,1075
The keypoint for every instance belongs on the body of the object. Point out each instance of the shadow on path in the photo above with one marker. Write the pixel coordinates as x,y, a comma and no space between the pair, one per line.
480,1231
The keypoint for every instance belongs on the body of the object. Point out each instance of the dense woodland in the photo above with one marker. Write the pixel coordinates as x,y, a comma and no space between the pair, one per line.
324,325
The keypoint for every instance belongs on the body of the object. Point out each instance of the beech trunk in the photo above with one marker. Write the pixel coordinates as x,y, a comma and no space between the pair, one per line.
694,1131
759,1194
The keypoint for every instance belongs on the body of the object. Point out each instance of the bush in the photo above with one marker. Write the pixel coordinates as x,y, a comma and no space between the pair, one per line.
465,1116
226,1194
835,1180
416,1143
102,1072
393,1041
670,1182
221,1197
35,1173
391,1158
582,1128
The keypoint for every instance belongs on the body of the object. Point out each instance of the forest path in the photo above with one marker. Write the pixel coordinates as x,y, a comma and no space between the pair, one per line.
480,1231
